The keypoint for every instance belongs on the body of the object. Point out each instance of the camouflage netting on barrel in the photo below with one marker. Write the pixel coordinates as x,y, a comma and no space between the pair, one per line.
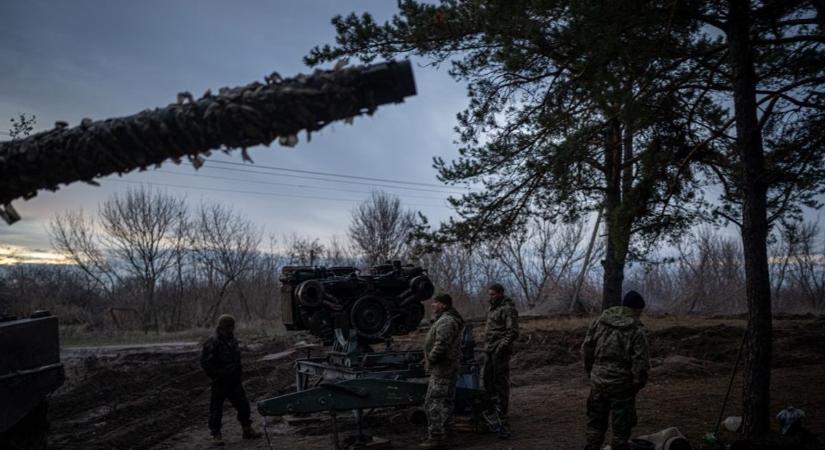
240,117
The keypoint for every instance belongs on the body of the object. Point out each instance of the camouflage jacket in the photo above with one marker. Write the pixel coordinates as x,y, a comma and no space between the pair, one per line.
221,359
615,352
442,352
502,326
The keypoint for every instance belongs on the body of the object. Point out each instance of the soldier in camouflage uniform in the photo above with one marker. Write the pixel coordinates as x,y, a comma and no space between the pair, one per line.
499,335
221,360
442,358
615,356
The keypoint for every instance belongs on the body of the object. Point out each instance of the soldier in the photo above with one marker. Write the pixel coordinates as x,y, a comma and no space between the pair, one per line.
499,335
442,357
615,356
221,360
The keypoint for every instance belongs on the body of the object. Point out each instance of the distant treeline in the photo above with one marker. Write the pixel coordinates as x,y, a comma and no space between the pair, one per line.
147,262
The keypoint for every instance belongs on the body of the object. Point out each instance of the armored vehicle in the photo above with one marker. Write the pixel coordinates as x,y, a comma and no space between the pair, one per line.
30,369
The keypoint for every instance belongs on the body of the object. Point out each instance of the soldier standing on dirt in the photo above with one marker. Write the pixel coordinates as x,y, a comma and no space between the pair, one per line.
615,356
499,335
221,360
442,357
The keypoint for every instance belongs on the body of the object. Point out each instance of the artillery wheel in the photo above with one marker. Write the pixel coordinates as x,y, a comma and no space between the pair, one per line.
369,317
310,293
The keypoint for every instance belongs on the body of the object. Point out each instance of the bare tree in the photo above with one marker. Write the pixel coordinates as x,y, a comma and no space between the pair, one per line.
302,250
142,229
783,246
712,265
381,227
227,243
807,267
541,259
73,235
338,253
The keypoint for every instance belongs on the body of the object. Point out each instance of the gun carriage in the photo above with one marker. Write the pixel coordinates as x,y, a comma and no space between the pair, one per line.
353,312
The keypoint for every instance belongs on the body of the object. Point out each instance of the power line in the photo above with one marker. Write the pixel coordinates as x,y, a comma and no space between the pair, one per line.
272,183
330,174
304,177
274,194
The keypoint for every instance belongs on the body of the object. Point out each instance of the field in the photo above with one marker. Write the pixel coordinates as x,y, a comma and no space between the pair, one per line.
156,396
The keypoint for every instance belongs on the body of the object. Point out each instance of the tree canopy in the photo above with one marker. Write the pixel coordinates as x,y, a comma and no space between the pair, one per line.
573,107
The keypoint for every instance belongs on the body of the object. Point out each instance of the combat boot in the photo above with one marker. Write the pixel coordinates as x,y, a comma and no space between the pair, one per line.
433,442
216,439
250,433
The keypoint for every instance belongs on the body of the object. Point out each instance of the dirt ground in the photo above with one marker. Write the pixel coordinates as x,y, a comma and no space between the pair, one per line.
156,396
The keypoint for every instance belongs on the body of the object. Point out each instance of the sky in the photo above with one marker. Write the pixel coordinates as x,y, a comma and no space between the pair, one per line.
106,58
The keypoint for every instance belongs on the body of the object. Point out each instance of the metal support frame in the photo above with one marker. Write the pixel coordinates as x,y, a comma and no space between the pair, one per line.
350,379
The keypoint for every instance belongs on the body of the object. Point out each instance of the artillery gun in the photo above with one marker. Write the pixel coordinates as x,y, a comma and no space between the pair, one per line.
376,306
351,311
235,118
258,113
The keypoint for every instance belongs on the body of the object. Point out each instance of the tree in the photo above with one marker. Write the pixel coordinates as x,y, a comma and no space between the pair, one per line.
140,234
73,235
227,243
541,259
381,228
303,250
574,106
771,67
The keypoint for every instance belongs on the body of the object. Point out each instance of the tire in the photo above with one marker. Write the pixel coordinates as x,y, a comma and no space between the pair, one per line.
310,293
370,318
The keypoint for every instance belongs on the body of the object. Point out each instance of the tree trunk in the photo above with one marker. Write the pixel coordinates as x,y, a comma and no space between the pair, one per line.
586,264
616,246
757,370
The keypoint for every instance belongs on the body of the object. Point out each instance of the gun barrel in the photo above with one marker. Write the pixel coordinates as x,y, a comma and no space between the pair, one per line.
240,117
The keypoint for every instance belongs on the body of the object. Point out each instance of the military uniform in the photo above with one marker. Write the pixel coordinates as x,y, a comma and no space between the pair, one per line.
442,356
221,360
499,335
615,355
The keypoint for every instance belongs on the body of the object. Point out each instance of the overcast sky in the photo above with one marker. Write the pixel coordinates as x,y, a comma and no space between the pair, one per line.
93,58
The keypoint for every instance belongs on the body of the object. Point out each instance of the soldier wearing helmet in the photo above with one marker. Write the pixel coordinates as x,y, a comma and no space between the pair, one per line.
221,360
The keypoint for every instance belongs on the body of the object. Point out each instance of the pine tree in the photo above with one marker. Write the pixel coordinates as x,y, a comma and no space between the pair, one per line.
573,107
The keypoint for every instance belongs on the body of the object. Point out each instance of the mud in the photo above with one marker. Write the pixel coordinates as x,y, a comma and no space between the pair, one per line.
156,396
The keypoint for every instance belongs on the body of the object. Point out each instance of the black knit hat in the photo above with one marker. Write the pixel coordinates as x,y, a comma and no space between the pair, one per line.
633,300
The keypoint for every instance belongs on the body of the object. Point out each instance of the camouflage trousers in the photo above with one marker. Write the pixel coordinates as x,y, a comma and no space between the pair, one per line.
600,407
438,403
496,377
